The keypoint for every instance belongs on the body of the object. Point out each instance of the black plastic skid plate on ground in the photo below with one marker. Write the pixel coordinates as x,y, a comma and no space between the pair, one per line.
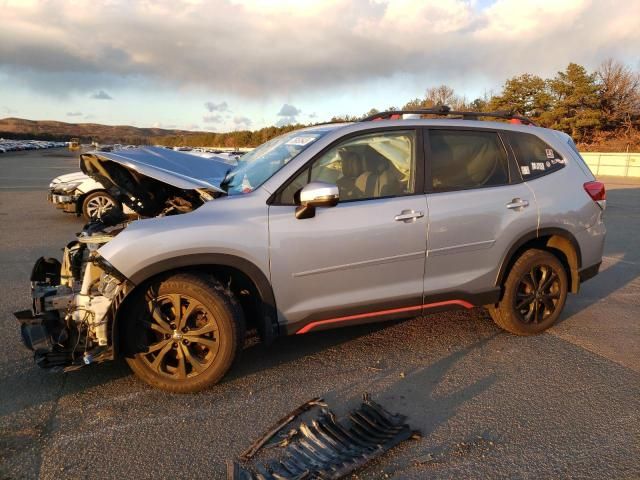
328,449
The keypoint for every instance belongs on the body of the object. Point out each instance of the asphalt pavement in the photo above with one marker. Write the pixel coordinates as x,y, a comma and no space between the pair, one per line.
565,404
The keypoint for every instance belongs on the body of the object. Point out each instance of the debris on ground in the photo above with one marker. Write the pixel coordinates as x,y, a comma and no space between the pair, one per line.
327,448
279,425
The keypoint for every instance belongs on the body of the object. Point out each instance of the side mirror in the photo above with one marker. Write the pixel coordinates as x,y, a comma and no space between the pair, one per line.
315,194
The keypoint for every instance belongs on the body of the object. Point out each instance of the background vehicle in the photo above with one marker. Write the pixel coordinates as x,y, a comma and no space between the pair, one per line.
80,194
322,227
74,144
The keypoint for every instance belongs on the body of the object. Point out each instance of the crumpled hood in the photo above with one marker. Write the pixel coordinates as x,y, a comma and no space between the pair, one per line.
181,170
156,181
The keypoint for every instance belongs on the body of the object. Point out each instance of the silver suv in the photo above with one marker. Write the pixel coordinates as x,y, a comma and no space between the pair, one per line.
328,226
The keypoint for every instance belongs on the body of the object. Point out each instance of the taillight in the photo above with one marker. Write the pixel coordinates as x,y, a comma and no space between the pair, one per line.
597,192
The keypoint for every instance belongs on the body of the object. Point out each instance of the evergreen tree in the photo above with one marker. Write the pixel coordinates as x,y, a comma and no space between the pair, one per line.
525,94
576,104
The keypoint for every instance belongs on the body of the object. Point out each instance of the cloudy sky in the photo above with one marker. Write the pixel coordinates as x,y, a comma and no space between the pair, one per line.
221,65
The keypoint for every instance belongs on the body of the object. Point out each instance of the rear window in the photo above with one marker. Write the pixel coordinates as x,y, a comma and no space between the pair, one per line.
534,156
467,159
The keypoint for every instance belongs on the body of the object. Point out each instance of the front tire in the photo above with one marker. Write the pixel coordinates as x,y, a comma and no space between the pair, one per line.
97,204
183,333
534,294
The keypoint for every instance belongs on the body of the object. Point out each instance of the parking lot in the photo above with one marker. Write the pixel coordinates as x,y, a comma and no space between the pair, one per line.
565,404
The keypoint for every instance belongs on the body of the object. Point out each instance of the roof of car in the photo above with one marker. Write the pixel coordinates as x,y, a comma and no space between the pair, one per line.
437,122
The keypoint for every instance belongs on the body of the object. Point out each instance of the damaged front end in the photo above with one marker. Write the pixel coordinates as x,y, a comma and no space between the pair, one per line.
75,301
74,304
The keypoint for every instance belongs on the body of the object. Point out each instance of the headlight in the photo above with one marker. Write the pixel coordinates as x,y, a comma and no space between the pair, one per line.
67,187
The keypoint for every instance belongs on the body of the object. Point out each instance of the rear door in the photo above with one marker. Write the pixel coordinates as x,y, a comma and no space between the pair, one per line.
478,206
364,258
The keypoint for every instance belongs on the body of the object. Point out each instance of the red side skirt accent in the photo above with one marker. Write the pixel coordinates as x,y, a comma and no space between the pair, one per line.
312,325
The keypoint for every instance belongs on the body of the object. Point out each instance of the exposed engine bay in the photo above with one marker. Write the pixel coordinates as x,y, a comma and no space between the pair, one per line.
146,196
74,304
75,300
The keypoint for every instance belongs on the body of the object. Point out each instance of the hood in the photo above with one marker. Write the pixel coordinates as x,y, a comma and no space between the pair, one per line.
149,179
69,177
179,169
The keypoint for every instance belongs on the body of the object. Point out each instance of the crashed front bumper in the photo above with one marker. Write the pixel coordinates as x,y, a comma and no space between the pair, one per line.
64,201
74,304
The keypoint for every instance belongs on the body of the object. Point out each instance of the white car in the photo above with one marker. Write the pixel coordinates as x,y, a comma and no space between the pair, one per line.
80,194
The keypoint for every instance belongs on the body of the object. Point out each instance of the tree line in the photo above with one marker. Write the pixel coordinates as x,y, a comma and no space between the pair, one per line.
599,109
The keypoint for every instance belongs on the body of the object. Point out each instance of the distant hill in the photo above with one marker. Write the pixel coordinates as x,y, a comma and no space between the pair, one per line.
53,130
20,128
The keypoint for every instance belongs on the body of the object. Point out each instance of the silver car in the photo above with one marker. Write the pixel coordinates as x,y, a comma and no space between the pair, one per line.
324,227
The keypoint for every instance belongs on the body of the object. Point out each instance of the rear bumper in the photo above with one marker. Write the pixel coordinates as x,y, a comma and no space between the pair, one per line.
589,272
591,242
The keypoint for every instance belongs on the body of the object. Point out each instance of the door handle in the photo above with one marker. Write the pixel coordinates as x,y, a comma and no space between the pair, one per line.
408,216
517,204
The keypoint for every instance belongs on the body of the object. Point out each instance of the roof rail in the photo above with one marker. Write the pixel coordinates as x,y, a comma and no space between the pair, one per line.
444,110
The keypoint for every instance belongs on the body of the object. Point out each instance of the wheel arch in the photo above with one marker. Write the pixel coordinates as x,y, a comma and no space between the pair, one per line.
558,241
238,273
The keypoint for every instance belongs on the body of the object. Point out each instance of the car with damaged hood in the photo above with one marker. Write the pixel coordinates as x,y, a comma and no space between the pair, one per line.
322,227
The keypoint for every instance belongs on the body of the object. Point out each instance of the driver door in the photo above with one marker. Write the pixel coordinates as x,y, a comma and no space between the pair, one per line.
364,258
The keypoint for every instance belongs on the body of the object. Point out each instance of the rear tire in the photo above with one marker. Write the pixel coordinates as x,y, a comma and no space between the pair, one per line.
535,292
190,351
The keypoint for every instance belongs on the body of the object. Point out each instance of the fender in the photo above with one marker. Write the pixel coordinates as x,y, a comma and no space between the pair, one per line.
269,316
533,235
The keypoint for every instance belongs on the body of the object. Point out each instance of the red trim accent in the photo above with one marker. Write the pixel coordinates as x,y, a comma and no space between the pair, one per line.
313,325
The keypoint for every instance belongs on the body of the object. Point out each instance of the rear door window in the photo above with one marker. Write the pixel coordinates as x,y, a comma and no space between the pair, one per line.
463,159
534,156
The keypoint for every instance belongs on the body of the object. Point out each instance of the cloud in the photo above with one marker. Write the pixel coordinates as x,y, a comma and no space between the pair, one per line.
242,122
212,118
9,111
84,46
286,121
74,114
101,95
216,107
288,111
288,115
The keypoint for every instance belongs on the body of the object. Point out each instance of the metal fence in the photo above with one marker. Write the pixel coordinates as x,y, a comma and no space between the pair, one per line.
614,164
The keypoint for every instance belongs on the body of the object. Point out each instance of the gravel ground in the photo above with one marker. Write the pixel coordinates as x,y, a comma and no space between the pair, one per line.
564,404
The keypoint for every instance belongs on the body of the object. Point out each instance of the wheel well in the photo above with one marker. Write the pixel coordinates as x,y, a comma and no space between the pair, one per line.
255,307
560,246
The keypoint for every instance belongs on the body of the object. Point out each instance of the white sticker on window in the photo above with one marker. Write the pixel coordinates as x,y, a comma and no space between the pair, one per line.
525,170
300,141
537,166
550,153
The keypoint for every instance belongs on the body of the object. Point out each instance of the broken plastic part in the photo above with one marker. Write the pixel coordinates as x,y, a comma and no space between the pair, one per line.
331,449
279,425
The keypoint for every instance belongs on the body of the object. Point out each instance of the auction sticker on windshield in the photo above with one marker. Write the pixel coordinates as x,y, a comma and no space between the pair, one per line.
301,140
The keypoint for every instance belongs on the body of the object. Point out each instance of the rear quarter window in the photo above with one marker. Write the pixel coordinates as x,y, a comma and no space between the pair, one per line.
534,156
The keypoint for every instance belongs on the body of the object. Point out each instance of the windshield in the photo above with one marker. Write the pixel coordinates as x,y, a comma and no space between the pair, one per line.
260,164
